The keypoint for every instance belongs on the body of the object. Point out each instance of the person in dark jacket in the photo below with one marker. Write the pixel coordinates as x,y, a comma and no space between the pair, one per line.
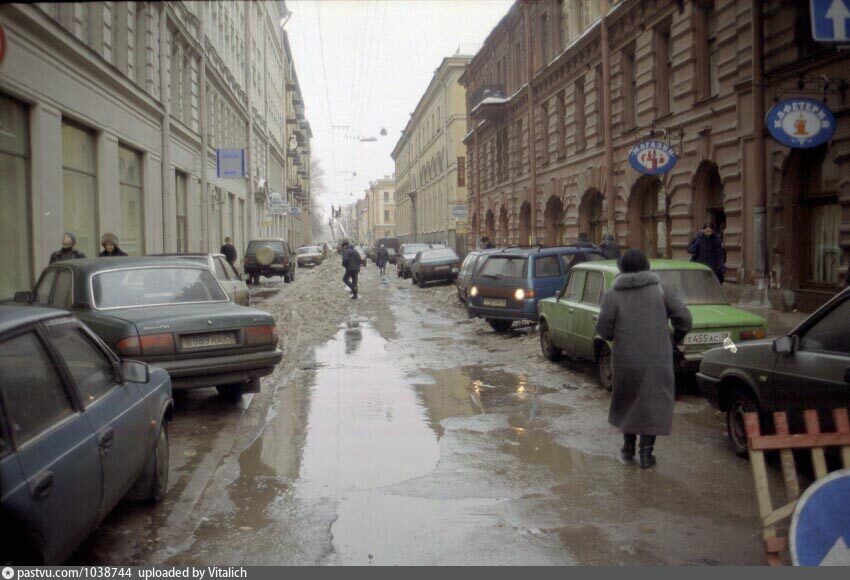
381,259
486,243
707,248
634,316
110,246
351,263
583,241
69,249
229,251
609,247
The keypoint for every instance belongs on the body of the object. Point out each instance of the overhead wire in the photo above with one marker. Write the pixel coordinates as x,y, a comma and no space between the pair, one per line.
327,97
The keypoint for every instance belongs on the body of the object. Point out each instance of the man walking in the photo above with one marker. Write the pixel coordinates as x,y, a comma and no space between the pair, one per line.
229,251
707,248
381,259
351,263
68,251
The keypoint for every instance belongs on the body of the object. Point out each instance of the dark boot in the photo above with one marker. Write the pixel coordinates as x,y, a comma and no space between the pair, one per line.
647,459
627,453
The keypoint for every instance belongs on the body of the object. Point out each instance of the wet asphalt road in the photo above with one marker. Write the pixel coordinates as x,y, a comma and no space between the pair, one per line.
408,434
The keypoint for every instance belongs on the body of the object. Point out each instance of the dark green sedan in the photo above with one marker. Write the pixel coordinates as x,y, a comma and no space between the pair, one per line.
172,314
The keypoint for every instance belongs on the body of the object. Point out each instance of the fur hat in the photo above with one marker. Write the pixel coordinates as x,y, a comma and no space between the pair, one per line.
633,261
109,238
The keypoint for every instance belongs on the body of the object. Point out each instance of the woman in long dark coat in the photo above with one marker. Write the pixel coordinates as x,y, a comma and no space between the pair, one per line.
634,316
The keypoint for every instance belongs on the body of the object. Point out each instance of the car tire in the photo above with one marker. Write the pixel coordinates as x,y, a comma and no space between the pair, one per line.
232,391
153,482
740,403
499,325
550,351
604,368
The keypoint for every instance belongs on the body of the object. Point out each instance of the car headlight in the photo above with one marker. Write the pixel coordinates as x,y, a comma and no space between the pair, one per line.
519,294
473,291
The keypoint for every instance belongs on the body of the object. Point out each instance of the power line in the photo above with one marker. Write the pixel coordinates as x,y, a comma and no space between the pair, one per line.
327,97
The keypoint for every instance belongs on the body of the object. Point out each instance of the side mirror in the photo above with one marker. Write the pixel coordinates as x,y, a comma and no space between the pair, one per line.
558,295
24,296
135,371
784,344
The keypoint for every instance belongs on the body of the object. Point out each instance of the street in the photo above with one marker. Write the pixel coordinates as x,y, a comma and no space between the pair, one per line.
398,431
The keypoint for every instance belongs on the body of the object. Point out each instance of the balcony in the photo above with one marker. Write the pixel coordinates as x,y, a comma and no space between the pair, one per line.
488,101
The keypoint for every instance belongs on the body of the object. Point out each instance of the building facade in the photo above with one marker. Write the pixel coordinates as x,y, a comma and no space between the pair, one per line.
559,94
361,212
380,204
111,114
430,160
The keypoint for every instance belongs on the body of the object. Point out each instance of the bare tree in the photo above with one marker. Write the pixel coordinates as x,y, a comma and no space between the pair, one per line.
318,188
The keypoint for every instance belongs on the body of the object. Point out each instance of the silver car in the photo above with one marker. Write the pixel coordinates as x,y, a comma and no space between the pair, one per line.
226,274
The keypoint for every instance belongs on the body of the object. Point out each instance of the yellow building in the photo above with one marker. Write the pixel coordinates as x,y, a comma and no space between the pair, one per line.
380,199
430,163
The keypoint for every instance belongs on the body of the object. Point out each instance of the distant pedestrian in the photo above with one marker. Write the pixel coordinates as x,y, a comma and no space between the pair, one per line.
486,243
229,251
707,248
109,242
634,316
69,249
381,259
351,263
583,241
609,247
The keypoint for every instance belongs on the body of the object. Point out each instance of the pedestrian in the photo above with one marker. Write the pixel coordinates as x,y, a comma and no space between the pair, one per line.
69,249
381,259
707,248
351,263
109,242
486,243
609,247
229,251
583,241
634,317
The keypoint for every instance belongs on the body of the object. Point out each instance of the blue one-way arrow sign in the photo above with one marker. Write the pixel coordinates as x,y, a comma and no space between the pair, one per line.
829,20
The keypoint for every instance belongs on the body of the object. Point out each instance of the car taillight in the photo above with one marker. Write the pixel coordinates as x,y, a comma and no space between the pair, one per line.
129,346
753,334
157,344
261,335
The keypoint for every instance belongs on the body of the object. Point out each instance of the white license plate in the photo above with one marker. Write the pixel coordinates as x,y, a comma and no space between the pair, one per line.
205,340
441,267
500,303
699,338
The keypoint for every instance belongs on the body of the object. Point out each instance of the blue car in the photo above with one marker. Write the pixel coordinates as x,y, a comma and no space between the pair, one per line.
80,429
511,282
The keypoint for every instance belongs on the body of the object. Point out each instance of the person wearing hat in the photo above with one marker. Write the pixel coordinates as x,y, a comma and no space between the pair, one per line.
351,263
229,251
69,249
634,317
109,242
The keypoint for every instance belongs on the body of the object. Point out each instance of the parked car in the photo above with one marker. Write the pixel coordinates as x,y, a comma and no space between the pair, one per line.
226,274
80,429
568,320
391,256
809,368
309,256
406,255
170,313
512,281
269,257
388,243
471,264
437,265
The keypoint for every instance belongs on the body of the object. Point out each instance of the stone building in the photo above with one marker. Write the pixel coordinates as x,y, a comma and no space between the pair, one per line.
380,204
549,158
361,211
110,117
430,161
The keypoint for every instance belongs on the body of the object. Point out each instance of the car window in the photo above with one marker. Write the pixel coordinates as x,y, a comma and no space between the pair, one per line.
575,286
90,368
62,290
32,389
593,288
546,267
154,286
505,267
45,285
570,260
830,333
693,287
278,247
219,270
466,266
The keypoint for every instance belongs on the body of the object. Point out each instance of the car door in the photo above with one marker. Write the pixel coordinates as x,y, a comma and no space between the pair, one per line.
116,411
61,296
54,443
240,289
565,311
44,287
586,314
817,373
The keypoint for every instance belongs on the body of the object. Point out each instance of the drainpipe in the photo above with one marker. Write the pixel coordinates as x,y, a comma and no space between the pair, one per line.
166,120
610,189
249,63
202,125
476,233
532,133
761,250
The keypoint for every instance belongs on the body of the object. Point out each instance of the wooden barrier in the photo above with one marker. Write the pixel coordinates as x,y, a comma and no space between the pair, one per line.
772,519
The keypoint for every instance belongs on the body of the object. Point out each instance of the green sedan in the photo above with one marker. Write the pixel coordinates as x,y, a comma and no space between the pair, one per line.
568,321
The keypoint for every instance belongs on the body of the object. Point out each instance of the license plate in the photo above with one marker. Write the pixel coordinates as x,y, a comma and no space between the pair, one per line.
699,338
500,303
206,340
441,267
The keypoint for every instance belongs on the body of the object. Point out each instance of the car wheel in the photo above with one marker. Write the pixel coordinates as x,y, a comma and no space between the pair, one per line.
159,485
550,351
232,391
499,325
605,369
740,404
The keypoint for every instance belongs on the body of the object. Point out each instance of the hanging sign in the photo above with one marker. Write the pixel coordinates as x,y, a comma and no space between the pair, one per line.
460,211
276,205
652,157
800,123
230,163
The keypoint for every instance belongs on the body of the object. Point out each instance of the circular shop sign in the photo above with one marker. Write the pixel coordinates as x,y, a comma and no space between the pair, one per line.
652,157
820,526
800,123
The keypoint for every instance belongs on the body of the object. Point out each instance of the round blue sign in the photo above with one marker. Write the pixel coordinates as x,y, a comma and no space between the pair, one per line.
820,527
800,123
652,157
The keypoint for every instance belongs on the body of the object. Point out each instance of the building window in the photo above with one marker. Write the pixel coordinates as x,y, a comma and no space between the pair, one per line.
581,124
180,179
708,57
386,216
544,132
15,261
562,125
386,197
518,64
629,88
519,146
596,219
79,179
664,71
130,185
822,220
461,172
544,40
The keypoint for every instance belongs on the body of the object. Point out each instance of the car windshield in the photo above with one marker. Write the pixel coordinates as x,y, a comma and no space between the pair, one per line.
157,285
309,250
505,267
693,287
441,254
253,246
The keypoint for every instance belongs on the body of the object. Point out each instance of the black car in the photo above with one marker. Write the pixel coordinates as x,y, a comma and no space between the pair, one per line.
437,265
406,255
807,369
269,257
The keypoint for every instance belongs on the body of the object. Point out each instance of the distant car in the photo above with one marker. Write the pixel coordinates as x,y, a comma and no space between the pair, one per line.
437,265
171,313
309,256
809,368
406,255
269,257
226,274
391,256
513,280
471,264
80,429
568,321
362,253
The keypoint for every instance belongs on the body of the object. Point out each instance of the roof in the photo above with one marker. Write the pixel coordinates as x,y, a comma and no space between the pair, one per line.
542,250
188,254
656,265
13,315
92,265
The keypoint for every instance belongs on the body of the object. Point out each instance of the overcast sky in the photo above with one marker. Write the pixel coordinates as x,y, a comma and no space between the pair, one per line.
364,64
